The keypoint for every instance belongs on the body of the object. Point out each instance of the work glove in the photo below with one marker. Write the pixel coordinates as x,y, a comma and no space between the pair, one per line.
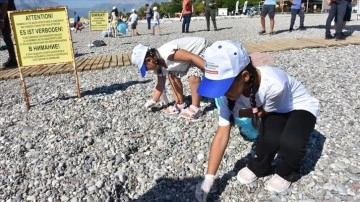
149,104
203,189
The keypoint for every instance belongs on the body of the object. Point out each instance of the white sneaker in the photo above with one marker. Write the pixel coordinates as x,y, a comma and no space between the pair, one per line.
246,176
278,184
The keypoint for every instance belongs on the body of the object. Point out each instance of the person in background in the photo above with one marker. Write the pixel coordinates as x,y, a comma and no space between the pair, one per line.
148,15
280,107
269,9
114,16
338,8
210,11
186,15
133,22
347,17
297,9
76,22
7,5
156,21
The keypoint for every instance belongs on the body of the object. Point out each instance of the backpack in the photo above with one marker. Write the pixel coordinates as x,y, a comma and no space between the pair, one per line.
98,43
78,18
151,12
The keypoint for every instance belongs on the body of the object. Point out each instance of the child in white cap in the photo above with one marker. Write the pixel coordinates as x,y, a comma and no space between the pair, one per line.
133,22
177,58
155,21
281,109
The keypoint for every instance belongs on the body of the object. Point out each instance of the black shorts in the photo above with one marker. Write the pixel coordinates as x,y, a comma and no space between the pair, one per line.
268,10
133,25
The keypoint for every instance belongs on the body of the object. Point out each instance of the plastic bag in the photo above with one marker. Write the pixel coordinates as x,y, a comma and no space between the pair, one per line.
246,128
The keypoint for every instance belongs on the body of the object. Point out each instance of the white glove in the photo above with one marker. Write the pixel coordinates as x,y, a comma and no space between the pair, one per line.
203,189
149,103
166,100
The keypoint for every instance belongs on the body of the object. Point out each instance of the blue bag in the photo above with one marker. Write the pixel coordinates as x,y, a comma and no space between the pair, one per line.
246,128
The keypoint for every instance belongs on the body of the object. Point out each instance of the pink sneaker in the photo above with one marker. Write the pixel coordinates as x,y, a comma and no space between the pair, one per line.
175,109
277,184
246,176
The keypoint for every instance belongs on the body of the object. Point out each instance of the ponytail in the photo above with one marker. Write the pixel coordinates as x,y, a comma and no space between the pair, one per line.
255,120
152,52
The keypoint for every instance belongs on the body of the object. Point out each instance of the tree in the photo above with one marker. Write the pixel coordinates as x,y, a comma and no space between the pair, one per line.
199,7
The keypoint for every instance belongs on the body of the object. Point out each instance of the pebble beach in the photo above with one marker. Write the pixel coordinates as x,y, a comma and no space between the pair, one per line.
105,146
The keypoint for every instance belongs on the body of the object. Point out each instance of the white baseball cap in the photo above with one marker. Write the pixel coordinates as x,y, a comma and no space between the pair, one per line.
114,7
138,57
155,8
224,60
133,10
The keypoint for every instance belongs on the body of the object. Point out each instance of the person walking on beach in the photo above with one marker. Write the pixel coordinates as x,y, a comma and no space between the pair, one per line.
268,9
7,5
186,15
280,107
133,22
156,21
148,15
338,8
177,58
297,9
210,11
347,17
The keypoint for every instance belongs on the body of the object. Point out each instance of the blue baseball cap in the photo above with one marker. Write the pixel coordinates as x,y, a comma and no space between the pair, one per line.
138,58
224,60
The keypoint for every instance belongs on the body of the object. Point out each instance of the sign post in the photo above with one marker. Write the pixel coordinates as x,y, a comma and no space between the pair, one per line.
42,36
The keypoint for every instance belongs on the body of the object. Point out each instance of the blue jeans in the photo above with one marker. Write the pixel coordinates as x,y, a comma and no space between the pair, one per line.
295,12
148,20
186,22
336,8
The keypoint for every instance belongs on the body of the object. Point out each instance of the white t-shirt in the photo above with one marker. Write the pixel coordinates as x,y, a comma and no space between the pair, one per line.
270,2
133,18
192,44
114,17
156,17
278,92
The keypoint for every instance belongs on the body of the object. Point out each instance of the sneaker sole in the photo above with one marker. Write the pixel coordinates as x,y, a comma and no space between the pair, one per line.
274,190
245,181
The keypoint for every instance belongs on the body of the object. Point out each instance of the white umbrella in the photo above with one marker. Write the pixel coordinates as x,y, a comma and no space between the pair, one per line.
245,5
237,7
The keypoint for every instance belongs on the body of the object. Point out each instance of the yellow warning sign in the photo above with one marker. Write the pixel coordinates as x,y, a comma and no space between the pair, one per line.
42,36
99,20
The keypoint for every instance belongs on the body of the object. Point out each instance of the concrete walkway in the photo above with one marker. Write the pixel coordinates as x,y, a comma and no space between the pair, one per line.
106,61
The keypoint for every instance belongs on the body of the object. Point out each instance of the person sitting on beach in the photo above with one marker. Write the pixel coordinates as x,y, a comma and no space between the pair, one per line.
76,22
281,109
176,58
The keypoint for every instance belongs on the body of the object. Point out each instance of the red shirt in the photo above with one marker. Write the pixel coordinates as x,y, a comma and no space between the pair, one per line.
186,7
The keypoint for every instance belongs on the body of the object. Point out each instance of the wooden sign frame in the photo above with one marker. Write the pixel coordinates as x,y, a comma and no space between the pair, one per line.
42,36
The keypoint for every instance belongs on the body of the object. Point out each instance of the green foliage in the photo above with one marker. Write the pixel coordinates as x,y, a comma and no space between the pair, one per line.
230,4
199,8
